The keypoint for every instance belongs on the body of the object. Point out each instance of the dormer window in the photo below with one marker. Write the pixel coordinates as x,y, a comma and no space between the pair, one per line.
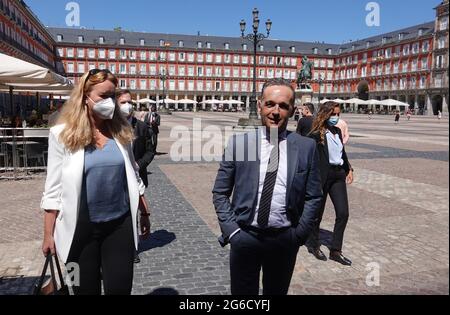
101,40
180,44
367,44
292,49
80,38
199,44
420,32
315,50
244,46
353,47
142,42
261,47
401,36
227,46
341,50
278,48
161,42
122,41
329,50
208,45
384,40
59,38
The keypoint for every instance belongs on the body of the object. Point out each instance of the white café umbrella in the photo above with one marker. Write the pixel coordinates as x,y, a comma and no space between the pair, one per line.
146,100
374,102
339,101
232,102
212,102
167,101
187,101
324,101
356,101
392,102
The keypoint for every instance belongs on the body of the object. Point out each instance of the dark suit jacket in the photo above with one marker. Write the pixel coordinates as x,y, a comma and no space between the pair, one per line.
324,159
142,148
239,175
305,125
155,126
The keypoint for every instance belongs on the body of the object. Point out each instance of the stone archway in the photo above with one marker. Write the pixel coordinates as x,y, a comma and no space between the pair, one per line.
436,103
363,90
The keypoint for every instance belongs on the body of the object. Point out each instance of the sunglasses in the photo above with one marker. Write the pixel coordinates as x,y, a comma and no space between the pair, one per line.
96,71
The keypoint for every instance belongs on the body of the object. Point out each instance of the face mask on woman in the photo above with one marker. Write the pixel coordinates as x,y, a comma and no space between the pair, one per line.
126,109
104,109
333,120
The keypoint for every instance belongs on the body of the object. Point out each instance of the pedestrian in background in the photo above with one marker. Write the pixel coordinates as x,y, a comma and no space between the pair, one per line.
154,121
344,130
305,123
397,117
336,172
142,144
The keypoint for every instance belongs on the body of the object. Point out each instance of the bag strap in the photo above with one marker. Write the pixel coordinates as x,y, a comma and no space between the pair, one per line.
38,288
52,272
58,268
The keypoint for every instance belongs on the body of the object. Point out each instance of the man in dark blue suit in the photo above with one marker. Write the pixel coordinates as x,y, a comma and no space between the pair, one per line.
274,178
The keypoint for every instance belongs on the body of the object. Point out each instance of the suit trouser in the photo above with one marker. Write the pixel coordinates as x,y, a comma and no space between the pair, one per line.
103,251
275,254
154,140
336,187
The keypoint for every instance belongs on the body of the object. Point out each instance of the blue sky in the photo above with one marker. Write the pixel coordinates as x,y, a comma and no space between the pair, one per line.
331,21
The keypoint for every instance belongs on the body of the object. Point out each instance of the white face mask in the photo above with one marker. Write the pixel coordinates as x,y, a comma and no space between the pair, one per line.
104,109
126,109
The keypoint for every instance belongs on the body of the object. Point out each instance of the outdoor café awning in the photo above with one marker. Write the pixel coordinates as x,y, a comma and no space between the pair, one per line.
18,73
55,90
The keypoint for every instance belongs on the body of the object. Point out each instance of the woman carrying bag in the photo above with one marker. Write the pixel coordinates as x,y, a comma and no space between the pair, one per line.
336,172
93,190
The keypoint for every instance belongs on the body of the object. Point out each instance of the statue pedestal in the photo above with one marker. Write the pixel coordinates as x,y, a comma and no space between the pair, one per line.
303,95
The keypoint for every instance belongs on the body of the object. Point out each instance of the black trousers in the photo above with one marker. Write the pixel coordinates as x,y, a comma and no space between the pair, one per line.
274,253
154,136
103,251
336,187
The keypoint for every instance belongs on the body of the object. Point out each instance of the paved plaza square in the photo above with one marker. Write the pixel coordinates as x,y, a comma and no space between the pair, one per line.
399,217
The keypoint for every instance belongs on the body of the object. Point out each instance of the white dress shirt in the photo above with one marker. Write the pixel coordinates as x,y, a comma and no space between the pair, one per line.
278,217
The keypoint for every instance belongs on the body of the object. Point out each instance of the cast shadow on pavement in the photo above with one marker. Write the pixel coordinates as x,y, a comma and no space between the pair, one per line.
159,238
164,291
325,238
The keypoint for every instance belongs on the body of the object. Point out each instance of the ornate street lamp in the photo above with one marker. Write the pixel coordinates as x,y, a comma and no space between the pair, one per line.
255,38
320,81
163,77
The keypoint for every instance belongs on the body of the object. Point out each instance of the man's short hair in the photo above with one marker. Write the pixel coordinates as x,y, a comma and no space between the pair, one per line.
310,107
120,92
279,82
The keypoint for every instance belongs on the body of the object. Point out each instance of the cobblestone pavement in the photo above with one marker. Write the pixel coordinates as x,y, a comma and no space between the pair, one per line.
399,218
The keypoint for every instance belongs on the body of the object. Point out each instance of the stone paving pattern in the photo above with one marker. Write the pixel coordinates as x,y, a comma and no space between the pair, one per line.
399,218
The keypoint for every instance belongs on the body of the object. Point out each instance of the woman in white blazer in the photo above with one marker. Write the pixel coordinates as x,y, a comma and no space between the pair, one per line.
93,190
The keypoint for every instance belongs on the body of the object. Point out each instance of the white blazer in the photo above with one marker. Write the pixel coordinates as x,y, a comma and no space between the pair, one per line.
63,188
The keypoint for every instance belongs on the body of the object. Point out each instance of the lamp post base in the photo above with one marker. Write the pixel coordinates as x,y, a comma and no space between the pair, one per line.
249,122
164,111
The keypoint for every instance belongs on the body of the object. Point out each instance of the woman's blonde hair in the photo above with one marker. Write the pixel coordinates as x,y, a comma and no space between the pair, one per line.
320,122
78,131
